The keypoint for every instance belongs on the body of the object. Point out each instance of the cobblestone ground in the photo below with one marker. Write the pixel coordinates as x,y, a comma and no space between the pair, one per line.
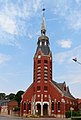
19,118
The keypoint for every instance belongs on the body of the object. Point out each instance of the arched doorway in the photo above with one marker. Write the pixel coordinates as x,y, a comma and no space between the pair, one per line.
45,109
38,109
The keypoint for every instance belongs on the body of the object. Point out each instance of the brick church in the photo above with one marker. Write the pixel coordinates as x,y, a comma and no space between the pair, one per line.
44,96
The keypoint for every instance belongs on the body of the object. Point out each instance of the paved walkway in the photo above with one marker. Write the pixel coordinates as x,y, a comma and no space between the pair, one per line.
20,118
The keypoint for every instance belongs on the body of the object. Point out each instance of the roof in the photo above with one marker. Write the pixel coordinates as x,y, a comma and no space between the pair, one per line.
43,40
61,86
3,101
45,49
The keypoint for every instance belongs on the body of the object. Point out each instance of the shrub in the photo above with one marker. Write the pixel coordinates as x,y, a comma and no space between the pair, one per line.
17,109
68,114
74,113
76,118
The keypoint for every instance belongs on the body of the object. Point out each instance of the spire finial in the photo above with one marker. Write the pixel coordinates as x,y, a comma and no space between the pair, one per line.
43,29
43,10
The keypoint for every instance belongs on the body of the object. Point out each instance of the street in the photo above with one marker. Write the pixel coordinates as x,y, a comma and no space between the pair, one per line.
19,118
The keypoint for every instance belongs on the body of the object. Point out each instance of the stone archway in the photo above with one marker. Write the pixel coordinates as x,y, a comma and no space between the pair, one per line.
45,109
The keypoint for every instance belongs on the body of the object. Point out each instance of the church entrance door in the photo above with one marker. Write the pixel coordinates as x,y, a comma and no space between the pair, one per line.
39,109
45,109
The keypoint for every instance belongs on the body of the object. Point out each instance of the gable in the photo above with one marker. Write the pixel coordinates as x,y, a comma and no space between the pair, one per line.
60,87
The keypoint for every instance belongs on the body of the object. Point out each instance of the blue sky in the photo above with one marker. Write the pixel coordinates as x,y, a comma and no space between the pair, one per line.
20,26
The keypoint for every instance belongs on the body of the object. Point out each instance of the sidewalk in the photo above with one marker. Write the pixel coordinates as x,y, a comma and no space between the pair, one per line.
23,118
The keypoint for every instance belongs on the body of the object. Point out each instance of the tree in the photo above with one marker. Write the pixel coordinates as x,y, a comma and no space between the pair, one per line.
11,96
18,97
2,96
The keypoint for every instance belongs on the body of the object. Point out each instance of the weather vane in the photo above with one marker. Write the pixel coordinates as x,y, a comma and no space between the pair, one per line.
43,9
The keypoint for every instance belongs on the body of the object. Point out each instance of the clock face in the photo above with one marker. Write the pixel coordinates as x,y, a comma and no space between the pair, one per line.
39,56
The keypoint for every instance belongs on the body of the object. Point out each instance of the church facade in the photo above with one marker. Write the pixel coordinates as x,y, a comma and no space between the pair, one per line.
44,96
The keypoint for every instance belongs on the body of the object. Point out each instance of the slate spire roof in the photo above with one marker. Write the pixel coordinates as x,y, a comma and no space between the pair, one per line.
43,40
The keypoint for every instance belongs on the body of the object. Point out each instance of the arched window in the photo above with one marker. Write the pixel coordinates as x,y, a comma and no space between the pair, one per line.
45,43
39,61
45,88
45,61
52,106
64,88
24,106
38,88
29,106
58,105
40,43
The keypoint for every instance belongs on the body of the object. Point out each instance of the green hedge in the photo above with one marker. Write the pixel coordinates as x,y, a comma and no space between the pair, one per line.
68,114
74,113
76,118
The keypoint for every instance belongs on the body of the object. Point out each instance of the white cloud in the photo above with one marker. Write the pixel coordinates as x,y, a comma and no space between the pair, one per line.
60,7
68,55
65,43
13,14
18,9
60,57
30,36
77,1
75,80
22,8
14,19
4,58
7,24
68,71
70,11
36,5
74,20
8,39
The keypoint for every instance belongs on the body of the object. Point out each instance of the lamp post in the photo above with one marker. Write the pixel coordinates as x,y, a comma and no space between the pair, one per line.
75,60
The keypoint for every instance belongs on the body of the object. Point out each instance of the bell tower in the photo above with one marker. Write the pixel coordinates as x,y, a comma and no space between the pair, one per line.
45,96
42,61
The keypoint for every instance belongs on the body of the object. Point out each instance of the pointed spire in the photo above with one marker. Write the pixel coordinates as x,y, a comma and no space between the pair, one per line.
43,28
